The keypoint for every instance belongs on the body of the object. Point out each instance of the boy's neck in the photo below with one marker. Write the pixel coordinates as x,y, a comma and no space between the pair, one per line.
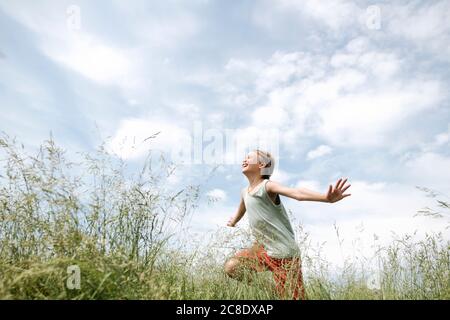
254,181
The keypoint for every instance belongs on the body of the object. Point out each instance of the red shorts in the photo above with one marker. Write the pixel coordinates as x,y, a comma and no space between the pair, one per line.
284,270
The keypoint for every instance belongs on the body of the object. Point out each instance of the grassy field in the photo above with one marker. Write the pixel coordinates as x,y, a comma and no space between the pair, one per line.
117,227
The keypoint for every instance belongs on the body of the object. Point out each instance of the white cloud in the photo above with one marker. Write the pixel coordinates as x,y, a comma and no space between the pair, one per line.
366,117
440,140
309,184
83,51
320,151
360,54
281,176
96,61
270,116
102,56
229,177
245,139
358,96
424,24
131,138
160,29
429,170
217,194
333,14
187,111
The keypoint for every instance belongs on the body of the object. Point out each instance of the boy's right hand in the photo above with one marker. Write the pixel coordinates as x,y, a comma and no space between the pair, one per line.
231,222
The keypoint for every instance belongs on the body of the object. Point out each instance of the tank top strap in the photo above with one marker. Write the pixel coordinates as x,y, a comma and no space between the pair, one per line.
258,188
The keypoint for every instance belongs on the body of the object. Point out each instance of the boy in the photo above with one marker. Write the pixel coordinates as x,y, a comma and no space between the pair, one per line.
275,248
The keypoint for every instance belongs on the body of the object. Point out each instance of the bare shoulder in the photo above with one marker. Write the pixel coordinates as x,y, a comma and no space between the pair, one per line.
272,187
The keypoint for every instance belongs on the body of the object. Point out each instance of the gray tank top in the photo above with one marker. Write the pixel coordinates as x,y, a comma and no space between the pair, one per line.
269,223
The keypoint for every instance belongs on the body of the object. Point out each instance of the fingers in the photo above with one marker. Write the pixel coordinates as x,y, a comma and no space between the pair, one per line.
343,190
337,183
340,183
343,183
339,188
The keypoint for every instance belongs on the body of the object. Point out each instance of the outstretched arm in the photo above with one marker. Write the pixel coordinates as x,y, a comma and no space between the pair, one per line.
239,214
302,194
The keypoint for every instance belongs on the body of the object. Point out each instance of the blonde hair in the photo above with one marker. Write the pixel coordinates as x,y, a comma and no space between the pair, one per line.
269,163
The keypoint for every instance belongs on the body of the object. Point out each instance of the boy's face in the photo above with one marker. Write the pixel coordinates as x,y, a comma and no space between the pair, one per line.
250,163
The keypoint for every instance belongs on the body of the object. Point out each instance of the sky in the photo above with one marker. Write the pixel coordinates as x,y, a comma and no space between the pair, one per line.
355,89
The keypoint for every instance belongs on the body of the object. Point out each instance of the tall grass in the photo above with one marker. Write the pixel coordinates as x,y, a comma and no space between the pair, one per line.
118,227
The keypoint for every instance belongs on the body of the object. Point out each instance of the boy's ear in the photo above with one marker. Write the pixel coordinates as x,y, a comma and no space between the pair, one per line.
262,165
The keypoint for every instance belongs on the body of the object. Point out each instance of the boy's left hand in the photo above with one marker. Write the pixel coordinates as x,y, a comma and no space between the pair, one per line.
337,193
